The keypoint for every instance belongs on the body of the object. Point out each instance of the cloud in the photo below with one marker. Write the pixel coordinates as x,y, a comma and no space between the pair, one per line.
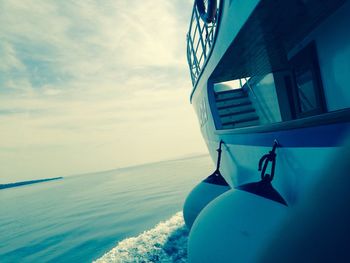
105,77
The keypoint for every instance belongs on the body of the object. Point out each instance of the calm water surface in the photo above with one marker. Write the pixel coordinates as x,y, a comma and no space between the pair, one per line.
79,218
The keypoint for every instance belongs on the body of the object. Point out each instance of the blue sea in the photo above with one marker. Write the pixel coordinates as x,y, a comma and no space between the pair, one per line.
125,215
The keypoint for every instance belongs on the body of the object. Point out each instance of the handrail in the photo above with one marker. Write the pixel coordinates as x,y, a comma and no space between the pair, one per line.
250,87
200,38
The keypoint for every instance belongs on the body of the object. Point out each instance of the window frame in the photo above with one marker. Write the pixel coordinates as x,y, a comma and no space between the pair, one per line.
306,59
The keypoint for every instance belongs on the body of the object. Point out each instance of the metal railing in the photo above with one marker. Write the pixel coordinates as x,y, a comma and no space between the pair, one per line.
200,39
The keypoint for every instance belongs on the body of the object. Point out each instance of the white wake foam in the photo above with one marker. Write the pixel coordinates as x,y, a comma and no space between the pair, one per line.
167,242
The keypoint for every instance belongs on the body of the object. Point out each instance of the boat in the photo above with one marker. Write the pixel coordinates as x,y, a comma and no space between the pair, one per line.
270,82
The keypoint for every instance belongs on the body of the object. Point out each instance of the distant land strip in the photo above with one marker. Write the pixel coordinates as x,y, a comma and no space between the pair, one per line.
4,186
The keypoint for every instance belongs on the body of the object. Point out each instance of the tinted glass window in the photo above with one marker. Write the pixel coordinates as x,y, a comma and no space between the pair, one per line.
308,93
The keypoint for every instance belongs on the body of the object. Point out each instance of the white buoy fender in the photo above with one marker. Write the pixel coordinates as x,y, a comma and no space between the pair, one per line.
199,197
234,228
205,192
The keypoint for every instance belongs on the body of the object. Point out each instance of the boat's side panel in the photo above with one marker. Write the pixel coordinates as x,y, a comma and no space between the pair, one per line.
206,117
302,156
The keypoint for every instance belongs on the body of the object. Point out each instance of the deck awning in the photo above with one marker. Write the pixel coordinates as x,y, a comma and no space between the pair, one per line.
271,31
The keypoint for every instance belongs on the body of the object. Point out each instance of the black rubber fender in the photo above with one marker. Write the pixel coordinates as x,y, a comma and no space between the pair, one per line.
207,15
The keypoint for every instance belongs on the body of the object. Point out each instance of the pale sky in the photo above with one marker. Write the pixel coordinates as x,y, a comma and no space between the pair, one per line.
93,85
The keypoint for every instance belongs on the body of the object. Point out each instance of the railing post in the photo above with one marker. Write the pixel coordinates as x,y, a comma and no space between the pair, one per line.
195,60
200,34
194,57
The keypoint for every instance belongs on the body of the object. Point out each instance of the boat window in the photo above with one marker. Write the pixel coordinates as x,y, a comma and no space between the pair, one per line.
246,102
308,93
279,96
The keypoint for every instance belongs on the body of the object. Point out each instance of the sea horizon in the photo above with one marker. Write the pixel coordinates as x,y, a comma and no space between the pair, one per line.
183,157
84,217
